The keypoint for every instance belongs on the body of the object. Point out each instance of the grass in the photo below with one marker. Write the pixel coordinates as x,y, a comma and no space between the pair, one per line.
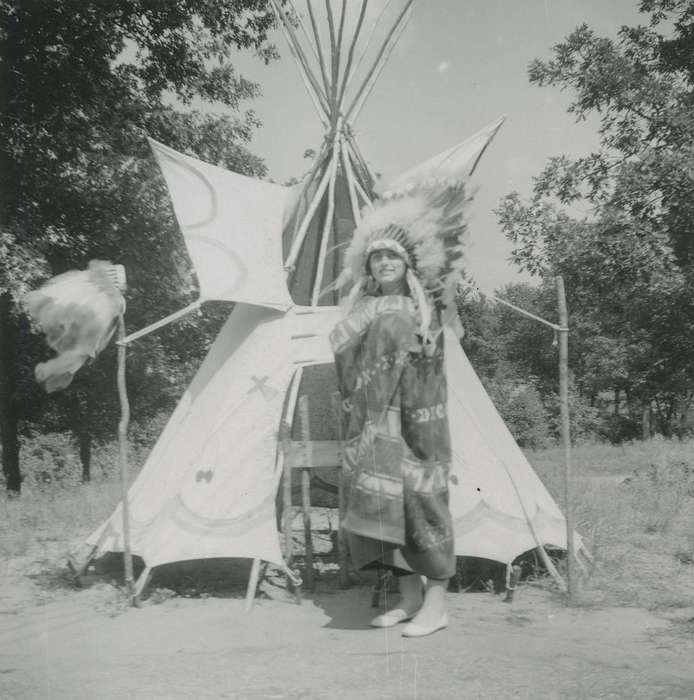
641,534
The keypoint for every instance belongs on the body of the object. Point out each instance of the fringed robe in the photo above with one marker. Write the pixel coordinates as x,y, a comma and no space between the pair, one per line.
397,447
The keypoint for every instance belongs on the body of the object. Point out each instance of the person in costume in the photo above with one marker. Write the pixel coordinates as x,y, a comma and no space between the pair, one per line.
389,357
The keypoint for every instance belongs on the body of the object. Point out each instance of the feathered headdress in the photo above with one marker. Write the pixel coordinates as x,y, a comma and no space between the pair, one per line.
421,215
425,224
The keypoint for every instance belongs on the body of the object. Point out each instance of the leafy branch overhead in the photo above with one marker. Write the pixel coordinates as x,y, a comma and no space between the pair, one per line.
618,223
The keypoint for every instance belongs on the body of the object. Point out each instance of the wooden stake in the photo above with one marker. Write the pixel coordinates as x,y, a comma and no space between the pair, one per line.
142,581
284,468
123,455
566,436
306,492
252,585
342,552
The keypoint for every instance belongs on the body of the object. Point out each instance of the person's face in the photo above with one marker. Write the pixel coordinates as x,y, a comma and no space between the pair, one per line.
388,269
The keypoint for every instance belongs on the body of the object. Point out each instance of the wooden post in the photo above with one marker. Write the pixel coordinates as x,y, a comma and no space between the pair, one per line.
342,557
252,585
306,492
566,437
123,455
287,509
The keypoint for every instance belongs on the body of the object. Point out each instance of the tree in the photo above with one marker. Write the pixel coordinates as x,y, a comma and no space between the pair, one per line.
85,82
629,261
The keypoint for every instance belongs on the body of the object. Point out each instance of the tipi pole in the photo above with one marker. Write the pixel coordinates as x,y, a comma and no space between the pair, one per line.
306,491
490,138
362,193
309,41
123,456
566,436
378,64
303,197
527,314
360,165
336,46
252,584
301,233
160,324
286,466
327,224
319,100
356,108
280,465
349,176
350,55
367,44
142,581
342,556
319,48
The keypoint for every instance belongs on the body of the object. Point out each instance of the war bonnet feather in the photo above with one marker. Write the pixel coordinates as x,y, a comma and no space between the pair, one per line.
425,223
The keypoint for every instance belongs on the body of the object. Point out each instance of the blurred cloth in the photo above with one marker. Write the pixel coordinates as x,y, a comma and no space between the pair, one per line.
78,312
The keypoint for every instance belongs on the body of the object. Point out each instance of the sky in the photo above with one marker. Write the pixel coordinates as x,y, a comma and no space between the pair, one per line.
459,65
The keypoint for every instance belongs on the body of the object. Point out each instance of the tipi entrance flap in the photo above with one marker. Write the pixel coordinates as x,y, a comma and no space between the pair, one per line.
232,228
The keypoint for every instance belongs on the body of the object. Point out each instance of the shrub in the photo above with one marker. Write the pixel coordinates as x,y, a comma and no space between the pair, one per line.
521,407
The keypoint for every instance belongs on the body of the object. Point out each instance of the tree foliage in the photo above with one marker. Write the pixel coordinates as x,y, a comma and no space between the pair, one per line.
628,262
84,83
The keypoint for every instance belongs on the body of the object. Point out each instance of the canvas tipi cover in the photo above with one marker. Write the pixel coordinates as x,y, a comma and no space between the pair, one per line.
208,488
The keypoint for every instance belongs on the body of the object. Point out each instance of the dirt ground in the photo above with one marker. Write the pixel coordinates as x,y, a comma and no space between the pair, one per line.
84,645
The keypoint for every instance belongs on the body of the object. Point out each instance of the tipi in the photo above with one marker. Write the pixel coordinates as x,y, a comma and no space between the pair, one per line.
208,488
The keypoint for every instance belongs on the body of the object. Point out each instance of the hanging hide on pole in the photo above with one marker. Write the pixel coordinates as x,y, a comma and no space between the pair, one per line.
78,313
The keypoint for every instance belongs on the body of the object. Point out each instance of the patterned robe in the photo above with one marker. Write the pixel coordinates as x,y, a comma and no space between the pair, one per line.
397,447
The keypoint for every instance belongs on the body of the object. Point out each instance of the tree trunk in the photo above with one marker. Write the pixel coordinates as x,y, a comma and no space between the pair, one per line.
646,422
86,455
9,409
83,430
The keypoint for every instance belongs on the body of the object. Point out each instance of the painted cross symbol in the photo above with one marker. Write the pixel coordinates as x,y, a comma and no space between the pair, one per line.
260,384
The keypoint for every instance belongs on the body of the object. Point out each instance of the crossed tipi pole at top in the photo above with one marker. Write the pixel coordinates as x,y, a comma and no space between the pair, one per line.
327,82
331,63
